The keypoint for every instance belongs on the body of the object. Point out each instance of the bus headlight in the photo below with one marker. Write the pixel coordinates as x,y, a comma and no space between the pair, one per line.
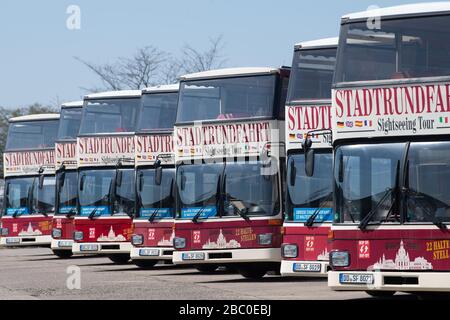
289,251
339,258
137,239
78,235
265,239
56,233
4,231
179,243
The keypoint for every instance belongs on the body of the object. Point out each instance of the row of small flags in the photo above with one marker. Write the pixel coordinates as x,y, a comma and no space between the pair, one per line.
301,136
356,123
443,119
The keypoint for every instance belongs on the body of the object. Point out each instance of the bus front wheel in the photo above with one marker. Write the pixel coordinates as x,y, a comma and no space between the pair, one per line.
380,294
252,273
206,268
119,258
63,254
145,264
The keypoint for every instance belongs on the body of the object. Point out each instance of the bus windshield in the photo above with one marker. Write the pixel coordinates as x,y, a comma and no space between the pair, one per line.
155,199
402,48
32,135
109,116
69,123
158,111
365,178
198,187
67,192
227,98
307,194
17,196
44,196
311,74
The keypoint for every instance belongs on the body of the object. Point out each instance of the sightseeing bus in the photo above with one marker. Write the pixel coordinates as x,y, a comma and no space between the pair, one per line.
155,177
106,178
66,179
391,96
309,197
228,150
29,170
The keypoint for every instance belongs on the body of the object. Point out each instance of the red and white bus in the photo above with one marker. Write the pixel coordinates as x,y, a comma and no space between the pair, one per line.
229,186
391,132
29,170
309,197
66,179
155,177
106,177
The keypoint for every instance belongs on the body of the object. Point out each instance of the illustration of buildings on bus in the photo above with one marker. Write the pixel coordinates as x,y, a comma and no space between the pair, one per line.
324,255
111,236
221,243
30,231
167,243
402,262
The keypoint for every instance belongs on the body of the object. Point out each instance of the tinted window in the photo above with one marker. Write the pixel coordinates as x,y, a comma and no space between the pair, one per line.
32,135
69,123
158,111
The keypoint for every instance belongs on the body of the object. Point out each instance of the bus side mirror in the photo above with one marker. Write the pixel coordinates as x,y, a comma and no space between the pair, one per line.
82,179
293,174
158,173
141,181
119,178
309,162
341,168
41,181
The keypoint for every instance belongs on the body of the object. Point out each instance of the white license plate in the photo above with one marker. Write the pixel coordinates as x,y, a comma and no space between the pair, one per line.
357,278
88,247
193,256
149,252
307,267
64,244
12,240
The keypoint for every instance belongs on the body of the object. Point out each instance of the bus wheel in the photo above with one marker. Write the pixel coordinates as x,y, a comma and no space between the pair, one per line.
206,268
252,273
380,294
120,258
145,264
64,254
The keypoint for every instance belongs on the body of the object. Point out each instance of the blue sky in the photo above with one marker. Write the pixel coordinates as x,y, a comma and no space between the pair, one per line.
37,50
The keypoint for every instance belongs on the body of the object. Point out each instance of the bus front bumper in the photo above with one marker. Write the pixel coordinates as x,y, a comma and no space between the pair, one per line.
62,244
227,256
414,281
151,253
291,268
25,241
105,248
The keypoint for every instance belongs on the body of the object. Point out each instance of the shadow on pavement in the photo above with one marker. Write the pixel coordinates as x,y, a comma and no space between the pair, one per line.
272,279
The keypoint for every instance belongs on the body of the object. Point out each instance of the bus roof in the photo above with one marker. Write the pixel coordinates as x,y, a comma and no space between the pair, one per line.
162,88
317,44
73,104
403,10
229,72
36,117
114,94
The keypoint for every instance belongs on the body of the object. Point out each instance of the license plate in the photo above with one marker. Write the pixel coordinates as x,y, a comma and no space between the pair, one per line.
307,267
88,247
64,244
149,252
357,278
12,240
193,256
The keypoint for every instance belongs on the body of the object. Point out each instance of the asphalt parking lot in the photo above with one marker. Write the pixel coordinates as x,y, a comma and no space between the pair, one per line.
34,273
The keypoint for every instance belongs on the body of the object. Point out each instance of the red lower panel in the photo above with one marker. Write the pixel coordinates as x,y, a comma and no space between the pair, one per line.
27,226
312,242
104,229
158,234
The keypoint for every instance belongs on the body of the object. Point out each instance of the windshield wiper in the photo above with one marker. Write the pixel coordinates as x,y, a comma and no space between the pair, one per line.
365,221
92,214
198,214
16,213
72,212
312,218
153,215
240,208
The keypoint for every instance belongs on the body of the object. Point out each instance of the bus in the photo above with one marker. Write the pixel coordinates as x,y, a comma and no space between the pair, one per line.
66,179
229,156
309,197
155,177
106,177
391,96
29,171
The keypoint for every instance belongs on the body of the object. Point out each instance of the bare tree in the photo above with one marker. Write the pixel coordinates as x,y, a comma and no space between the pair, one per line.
141,70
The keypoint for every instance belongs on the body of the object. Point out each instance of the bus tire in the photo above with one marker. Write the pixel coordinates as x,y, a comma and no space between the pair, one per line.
380,294
206,268
145,264
63,254
120,258
252,273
